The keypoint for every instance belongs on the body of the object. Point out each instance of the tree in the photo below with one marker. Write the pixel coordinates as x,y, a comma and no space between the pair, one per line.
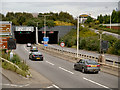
21,20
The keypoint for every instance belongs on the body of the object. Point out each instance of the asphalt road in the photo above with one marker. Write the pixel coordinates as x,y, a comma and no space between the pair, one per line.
91,53
4,82
62,74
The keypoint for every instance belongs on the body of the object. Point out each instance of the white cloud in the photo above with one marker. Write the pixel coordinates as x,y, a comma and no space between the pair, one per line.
74,8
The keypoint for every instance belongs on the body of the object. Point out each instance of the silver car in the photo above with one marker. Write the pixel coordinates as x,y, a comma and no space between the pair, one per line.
86,65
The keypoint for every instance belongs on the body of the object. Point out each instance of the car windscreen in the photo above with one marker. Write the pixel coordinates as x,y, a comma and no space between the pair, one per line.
91,62
37,53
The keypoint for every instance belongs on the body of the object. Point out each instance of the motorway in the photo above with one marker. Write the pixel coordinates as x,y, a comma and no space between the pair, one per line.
62,73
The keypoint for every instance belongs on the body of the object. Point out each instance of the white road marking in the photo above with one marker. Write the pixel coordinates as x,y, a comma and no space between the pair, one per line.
25,48
66,70
13,85
50,63
97,83
56,87
50,87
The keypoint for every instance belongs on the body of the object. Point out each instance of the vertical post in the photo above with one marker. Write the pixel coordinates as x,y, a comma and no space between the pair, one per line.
37,34
110,21
77,36
100,42
44,26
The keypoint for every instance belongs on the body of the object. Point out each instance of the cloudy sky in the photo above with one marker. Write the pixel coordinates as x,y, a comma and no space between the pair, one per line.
74,7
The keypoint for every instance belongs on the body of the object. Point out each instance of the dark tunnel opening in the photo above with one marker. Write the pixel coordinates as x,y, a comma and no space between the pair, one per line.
53,37
23,37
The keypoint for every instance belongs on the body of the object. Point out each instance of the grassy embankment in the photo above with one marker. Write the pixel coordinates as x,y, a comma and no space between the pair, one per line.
16,60
90,41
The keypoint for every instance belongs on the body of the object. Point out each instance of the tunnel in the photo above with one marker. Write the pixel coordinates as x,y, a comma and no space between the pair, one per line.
23,37
53,36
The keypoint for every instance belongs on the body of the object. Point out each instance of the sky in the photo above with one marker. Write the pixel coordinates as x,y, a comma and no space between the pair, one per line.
74,7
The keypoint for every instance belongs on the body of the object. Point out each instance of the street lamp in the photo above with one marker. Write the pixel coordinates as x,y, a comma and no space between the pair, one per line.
45,24
77,35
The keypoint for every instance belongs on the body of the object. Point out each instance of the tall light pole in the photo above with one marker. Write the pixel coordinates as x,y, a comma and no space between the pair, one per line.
45,24
110,21
37,34
77,35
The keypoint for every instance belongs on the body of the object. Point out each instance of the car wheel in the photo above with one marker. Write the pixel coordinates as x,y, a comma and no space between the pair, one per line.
29,57
75,68
97,72
83,70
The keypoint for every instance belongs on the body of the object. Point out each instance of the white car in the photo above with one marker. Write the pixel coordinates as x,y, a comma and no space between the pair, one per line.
28,44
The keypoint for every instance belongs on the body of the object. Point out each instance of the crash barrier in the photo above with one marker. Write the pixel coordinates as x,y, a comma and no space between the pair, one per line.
108,63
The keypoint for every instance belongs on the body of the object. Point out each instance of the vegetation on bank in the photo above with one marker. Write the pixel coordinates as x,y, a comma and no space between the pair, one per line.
16,60
27,19
89,40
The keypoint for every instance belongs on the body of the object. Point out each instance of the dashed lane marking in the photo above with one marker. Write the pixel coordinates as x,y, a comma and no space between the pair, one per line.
97,83
66,70
50,63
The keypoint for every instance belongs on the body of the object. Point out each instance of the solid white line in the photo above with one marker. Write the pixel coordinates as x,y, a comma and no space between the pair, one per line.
50,87
13,85
96,83
56,86
25,48
66,70
50,63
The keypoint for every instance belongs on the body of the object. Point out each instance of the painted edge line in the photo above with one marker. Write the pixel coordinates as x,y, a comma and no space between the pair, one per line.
97,83
66,70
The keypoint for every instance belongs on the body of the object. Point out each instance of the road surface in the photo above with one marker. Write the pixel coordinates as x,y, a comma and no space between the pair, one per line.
62,74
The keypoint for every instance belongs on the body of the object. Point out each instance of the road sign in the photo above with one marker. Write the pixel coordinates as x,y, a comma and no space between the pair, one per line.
45,44
45,39
3,42
104,45
5,28
62,44
11,43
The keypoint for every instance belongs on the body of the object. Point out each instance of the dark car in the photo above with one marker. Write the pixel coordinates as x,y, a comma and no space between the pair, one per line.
87,65
36,56
34,49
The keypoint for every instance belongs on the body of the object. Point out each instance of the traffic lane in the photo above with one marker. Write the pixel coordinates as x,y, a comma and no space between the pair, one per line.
59,76
102,77
63,63
91,53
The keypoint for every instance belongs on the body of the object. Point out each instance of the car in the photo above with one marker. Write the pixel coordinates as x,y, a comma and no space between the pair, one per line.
86,65
34,49
28,44
36,56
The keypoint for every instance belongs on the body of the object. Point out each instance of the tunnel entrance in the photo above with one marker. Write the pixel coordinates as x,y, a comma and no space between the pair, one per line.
23,37
53,36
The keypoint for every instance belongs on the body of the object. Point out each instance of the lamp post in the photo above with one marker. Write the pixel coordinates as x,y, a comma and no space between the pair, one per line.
110,21
77,35
37,34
